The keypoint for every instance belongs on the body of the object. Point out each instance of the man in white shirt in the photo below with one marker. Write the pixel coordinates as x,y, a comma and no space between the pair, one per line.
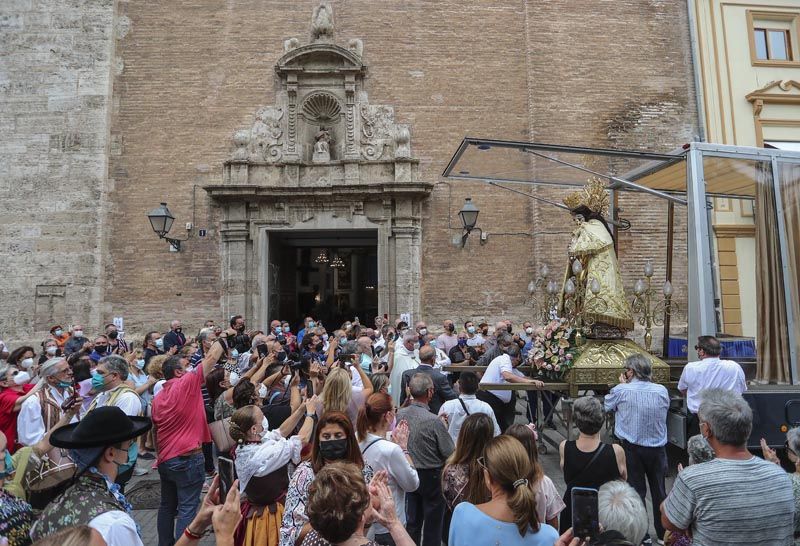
503,369
456,411
474,338
708,373
41,412
404,359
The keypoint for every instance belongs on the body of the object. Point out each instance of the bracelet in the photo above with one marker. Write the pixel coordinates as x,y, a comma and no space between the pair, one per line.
191,535
312,415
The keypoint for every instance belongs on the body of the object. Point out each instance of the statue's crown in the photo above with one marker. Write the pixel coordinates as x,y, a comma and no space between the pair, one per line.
593,196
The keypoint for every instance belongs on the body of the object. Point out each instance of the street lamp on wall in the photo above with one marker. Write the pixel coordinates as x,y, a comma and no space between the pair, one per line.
161,220
469,217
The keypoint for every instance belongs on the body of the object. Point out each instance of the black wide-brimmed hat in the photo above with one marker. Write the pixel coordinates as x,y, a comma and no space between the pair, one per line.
101,427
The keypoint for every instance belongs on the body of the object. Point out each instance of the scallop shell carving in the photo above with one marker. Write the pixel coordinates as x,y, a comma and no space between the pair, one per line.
322,107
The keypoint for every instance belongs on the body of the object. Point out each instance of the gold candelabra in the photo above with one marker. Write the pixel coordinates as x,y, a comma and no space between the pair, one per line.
544,296
582,293
652,306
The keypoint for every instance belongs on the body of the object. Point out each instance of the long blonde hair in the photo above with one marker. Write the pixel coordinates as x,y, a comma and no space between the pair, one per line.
509,466
338,391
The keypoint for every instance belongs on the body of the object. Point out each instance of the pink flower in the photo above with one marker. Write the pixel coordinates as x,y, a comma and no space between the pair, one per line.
569,356
557,368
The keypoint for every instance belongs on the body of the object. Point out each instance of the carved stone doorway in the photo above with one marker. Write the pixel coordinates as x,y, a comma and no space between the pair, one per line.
324,160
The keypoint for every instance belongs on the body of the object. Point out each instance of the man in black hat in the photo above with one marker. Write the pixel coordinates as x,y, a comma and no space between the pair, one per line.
99,446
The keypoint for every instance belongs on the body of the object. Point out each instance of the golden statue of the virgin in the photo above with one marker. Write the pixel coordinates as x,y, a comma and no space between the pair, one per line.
605,307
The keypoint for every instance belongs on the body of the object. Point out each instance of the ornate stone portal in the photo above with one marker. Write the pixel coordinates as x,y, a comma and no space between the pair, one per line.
322,158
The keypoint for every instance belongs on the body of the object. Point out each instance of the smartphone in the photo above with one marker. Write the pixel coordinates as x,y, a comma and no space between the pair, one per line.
585,522
262,350
227,473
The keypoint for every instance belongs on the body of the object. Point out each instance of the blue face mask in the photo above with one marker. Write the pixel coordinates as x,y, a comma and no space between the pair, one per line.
64,384
98,381
286,329
462,342
140,363
311,324
234,353
9,469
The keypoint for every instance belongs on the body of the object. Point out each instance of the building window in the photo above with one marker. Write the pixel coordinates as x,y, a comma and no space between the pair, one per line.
773,37
773,44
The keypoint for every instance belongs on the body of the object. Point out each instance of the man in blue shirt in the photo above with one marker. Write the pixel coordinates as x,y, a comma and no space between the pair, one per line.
641,425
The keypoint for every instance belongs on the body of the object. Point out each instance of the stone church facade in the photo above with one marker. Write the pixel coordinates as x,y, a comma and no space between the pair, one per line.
259,120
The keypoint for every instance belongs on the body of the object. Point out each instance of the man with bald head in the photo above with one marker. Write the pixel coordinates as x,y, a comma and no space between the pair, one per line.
442,391
174,337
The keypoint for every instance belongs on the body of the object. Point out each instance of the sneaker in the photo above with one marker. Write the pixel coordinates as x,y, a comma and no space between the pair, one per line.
147,456
139,471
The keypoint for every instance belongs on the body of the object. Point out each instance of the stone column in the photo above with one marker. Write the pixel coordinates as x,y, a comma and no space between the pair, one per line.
234,235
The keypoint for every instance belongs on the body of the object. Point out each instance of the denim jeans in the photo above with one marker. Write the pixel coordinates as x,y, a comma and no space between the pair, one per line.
181,485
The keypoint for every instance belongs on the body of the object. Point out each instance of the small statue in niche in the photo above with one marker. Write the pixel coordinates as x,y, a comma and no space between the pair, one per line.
322,146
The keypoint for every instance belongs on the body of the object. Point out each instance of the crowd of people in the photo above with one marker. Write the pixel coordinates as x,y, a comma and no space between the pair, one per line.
360,435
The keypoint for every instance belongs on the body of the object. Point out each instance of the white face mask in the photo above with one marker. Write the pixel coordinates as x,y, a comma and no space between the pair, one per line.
51,350
26,363
529,330
423,331
21,378
262,392
265,424
233,379
77,333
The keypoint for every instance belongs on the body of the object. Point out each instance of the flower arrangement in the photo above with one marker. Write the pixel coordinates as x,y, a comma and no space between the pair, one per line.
554,349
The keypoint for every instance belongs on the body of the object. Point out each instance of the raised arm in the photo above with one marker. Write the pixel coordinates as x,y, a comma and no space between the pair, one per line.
32,392
212,357
365,380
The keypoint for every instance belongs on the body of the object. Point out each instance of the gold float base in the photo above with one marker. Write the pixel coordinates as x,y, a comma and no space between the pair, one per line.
601,361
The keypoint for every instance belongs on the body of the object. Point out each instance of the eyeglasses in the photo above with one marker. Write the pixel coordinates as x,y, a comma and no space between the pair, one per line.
482,462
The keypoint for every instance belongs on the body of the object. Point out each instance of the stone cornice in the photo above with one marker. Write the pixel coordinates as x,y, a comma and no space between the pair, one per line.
229,192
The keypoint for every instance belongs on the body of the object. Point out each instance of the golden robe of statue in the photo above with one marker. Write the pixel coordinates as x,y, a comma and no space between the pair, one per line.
593,246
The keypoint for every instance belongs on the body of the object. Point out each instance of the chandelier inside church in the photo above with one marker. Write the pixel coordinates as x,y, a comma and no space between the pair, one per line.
322,258
337,262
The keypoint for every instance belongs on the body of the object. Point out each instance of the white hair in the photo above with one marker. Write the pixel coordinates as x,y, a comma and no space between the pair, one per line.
620,508
49,367
410,336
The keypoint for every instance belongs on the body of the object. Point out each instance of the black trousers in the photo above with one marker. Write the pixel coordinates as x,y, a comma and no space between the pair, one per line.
647,466
425,509
504,412
549,400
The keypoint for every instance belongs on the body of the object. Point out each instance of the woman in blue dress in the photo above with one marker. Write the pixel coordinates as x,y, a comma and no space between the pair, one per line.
509,519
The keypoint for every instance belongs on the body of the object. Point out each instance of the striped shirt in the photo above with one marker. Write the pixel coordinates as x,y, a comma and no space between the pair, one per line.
727,502
641,412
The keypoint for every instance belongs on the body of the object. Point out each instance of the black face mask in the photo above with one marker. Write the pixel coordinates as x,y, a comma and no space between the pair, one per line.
240,328
318,347
333,450
281,356
451,327
179,330
113,335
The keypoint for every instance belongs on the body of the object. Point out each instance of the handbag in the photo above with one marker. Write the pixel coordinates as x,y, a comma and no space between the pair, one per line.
221,435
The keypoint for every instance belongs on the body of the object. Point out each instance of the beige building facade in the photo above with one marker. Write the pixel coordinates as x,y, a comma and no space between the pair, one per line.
748,66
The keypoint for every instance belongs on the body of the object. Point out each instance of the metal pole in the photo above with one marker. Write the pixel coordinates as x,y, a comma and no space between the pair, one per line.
670,242
701,286
788,289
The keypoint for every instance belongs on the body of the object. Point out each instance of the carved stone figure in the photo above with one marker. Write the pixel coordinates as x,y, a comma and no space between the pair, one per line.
356,46
322,146
290,44
266,133
322,22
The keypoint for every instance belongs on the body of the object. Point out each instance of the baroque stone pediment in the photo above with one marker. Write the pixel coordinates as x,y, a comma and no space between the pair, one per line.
322,134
